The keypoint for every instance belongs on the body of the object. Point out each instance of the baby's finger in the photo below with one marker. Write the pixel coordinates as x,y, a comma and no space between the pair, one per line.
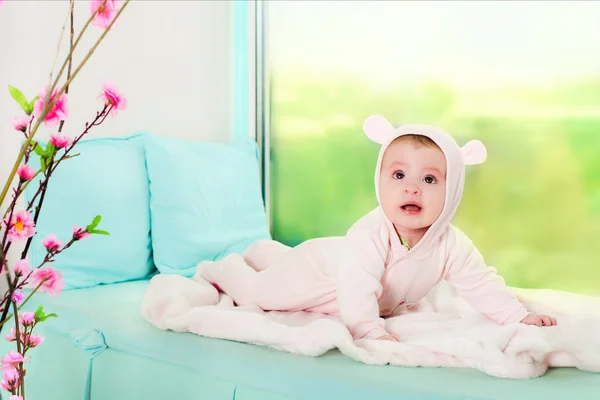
553,321
538,321
546,320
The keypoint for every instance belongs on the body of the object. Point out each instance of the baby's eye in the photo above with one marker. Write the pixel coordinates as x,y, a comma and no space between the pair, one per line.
429,179
398,175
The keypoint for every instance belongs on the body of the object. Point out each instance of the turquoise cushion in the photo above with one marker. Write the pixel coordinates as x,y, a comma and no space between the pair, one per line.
205,201
108,178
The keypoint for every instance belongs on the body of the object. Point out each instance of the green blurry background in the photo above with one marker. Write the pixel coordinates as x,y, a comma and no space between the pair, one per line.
533,209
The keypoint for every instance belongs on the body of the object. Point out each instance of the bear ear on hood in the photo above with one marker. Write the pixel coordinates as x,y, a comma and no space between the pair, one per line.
473,153
378,129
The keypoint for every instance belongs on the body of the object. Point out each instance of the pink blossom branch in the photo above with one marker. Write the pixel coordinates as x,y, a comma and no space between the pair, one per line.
47,259
49,105
100,117
88,126
52,165
51,168
19,285
25,325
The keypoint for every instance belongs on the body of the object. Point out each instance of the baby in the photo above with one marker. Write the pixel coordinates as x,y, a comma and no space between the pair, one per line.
392,257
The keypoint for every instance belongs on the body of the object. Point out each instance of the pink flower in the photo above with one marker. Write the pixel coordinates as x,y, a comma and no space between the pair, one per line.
79,233
11,361
34,340
27,318
51,243
25,172
59,111
21,123
12,336
112,96
20,227
53,280
59,141
22,268
104,12
10,379
18,296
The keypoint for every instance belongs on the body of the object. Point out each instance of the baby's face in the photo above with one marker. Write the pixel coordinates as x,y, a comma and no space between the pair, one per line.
412,185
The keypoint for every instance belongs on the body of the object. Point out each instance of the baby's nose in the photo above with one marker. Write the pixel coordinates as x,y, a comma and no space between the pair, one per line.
412,189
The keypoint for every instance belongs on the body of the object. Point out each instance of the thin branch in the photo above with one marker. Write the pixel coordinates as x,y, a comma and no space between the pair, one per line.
71,47
62,31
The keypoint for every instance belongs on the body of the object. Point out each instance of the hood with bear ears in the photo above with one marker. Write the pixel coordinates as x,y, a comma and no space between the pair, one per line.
379,130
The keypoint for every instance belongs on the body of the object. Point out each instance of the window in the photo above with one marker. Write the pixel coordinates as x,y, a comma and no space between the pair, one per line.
523,77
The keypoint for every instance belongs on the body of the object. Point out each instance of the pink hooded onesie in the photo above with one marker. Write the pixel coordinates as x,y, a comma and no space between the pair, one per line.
368,274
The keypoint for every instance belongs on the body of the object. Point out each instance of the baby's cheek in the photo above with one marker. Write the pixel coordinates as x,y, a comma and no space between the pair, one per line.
438,207
386,195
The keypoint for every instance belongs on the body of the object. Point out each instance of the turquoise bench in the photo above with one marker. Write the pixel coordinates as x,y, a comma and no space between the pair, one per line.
132,360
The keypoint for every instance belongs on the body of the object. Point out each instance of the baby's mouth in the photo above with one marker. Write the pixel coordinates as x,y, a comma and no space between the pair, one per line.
411,208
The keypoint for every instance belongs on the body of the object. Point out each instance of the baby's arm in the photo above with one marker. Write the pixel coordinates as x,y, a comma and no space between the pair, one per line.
479,284
361,266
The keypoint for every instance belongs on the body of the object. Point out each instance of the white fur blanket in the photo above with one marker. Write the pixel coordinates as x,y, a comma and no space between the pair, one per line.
443,331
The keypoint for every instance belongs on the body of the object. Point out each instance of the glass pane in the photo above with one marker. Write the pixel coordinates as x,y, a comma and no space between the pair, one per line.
523,77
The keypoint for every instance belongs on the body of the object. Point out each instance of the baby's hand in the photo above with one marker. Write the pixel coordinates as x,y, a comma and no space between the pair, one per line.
538,320
388,337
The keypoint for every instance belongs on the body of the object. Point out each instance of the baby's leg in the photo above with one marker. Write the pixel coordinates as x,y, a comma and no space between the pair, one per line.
284,286
263,253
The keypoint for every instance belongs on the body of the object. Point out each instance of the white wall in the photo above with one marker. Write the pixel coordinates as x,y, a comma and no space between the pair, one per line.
171,59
